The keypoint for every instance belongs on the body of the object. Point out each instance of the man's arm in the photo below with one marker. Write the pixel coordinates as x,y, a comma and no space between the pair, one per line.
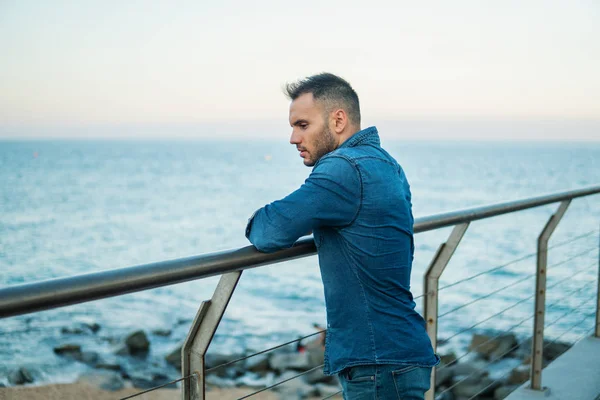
331,196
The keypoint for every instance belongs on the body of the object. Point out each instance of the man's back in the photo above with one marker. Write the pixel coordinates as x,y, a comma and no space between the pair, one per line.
366,266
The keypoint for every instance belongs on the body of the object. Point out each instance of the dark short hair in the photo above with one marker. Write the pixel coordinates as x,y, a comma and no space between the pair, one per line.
329,89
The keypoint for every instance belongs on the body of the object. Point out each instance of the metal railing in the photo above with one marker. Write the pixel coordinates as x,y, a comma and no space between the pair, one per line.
27,298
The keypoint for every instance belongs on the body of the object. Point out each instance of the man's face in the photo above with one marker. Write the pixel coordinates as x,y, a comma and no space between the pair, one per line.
310,133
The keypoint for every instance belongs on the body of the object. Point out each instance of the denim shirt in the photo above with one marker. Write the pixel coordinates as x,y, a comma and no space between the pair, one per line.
357,203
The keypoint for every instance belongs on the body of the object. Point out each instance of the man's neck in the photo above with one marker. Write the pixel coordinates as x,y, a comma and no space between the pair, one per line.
351,131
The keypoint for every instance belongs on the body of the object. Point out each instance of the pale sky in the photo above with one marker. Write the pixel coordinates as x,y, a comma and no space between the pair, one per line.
68,65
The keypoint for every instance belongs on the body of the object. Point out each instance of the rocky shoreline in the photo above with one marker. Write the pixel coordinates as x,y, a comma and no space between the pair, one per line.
494,366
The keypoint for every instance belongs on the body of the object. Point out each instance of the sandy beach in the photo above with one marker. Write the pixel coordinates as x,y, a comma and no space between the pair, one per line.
79,391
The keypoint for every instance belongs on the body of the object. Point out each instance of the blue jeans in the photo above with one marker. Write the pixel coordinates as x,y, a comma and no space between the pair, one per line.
385,382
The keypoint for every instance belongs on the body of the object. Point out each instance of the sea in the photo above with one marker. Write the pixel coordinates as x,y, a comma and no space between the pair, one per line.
71,207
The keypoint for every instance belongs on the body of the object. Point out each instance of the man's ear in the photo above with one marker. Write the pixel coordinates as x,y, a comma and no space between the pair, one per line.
340,120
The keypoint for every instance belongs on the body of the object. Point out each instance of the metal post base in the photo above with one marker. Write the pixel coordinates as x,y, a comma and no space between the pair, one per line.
201,333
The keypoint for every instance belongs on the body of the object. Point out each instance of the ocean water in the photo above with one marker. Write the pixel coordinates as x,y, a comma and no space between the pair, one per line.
73,207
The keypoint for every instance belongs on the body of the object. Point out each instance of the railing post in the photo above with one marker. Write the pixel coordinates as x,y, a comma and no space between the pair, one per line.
597,330
201,333
431,284
537,350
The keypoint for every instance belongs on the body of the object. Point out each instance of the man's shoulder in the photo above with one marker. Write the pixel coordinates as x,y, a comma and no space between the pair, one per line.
350,154
356,154
337,166
337,158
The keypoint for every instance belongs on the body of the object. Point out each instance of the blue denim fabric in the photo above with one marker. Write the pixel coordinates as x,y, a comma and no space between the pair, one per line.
385,382
357,203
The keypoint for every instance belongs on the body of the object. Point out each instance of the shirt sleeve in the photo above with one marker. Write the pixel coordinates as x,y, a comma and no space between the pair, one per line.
331,196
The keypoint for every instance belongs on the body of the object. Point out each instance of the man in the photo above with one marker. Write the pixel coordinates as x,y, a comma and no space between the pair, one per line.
357,203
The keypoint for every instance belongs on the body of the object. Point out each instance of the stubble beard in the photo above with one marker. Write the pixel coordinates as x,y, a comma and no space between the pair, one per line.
324,143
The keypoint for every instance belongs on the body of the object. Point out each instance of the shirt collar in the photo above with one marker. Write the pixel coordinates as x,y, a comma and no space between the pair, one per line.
366,136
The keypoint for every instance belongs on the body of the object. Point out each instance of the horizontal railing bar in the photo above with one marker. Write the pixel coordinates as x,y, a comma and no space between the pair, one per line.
38,296
45,295
473,214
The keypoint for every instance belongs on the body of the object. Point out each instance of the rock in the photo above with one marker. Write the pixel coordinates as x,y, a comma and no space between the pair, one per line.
84,327
67,349
215,380
554,350
74,352
524,349
87,357
506,345
285,361
448,358
109,339
446,395
316,356
327,390
92,326
492,348
20,376
110,367
162,332
317,376
174,358
474,369
519,375
443,376
152,382
472,387
106,380
122,351
551,350
315,350
503,391
258,363
214,360
295,388
231,372
72,331
137,342
482,344
255,380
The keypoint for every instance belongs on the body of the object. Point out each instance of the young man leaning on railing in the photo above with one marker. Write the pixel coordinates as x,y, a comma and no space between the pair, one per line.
357,203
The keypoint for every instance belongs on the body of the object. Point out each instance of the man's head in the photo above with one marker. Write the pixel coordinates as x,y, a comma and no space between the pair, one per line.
324,113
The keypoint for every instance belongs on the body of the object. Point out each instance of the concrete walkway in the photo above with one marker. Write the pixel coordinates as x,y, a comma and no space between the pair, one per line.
575,375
